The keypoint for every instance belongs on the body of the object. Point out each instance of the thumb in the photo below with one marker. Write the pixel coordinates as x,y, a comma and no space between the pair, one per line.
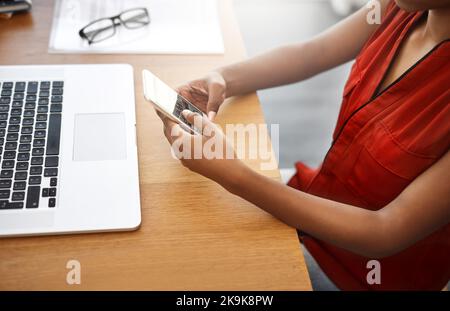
215,99
199,121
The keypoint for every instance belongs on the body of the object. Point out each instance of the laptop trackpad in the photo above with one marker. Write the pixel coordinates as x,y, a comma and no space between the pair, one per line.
99,137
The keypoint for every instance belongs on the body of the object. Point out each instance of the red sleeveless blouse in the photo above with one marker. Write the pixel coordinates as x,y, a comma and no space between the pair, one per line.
380,145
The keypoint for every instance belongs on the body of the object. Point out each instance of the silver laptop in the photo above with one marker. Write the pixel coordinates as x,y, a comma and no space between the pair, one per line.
68,154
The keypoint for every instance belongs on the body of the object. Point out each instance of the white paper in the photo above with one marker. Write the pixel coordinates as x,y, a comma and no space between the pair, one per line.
177,27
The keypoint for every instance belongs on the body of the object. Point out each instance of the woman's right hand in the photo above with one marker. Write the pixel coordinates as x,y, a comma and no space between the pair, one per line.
207,93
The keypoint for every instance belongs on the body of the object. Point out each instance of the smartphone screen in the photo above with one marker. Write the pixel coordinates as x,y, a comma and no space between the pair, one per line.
166,99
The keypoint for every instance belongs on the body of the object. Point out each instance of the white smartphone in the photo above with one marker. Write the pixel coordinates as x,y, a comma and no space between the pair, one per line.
167,101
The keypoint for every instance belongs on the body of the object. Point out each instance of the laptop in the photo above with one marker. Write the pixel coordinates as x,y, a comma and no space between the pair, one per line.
68,154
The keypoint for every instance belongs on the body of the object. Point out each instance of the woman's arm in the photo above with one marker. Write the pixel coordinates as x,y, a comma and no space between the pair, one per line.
423,207
296,62
287,64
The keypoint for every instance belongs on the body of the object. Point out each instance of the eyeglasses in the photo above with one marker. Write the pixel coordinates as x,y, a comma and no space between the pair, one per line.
104,28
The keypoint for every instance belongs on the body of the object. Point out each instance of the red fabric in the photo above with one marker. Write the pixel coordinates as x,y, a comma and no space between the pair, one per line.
381,144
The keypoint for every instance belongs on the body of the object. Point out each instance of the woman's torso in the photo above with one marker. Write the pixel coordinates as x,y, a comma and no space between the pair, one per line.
384,138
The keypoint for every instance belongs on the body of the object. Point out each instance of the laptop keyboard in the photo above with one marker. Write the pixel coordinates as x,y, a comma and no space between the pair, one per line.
30,127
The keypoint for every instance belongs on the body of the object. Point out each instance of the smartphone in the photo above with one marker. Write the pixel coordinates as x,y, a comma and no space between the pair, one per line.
167,101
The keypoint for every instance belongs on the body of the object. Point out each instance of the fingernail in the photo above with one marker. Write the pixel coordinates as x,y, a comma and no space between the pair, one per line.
211,115
185,112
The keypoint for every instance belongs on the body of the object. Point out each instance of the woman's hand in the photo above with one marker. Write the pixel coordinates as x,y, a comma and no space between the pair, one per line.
208,154
207,93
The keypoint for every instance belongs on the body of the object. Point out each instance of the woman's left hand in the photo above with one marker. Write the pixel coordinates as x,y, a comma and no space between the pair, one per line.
208,153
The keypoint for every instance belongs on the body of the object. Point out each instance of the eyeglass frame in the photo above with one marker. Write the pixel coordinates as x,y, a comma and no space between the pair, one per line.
114,24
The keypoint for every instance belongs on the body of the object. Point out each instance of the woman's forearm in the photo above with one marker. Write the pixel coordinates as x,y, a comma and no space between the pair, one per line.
284,65
346,226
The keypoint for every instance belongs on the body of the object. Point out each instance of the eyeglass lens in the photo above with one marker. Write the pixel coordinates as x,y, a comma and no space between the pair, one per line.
135,18
100,30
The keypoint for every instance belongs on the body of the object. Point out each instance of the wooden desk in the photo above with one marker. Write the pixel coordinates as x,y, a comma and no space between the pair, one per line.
205,240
